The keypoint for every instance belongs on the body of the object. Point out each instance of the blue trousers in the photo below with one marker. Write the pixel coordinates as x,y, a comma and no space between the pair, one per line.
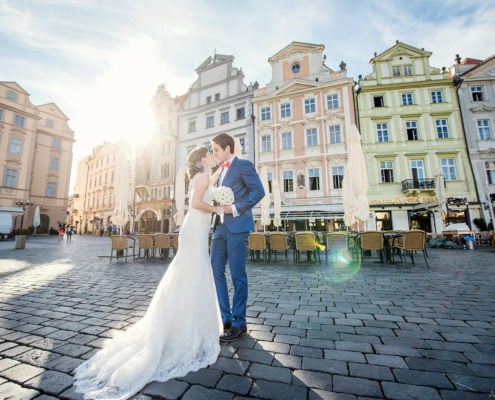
232,248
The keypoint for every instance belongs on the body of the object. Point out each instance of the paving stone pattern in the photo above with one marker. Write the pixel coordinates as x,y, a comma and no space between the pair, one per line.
317,331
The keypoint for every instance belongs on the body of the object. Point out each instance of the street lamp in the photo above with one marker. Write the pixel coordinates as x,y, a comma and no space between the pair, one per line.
23,204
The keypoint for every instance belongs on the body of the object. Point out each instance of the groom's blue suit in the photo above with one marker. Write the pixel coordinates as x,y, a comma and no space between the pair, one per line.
229,242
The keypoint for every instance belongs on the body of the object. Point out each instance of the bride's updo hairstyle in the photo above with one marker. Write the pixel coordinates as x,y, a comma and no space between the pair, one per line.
194,164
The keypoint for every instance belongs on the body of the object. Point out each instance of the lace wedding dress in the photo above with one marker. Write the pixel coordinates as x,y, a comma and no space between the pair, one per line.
179,332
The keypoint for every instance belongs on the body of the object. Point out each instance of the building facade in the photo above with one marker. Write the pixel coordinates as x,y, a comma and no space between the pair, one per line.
475,81
418,165
36,152
302,120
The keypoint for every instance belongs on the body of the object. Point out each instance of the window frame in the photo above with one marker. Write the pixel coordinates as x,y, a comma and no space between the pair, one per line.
210,121
286,140
333,101
314,179
337,177
288,181
15,145
10,178
436,96
412,131
311,136
51,189
382,132
310,105
387,171
485,131
335,137
285,110
224,117
266,143
407,99
442,129
266,113
449,168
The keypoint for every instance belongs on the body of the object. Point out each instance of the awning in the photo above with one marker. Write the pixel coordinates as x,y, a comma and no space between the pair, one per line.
12,210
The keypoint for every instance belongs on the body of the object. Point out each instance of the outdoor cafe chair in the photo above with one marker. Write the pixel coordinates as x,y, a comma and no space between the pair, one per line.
145,243
306,241
335,243
277,241
257,245
370,241
411,242
162,244
174,242
121,246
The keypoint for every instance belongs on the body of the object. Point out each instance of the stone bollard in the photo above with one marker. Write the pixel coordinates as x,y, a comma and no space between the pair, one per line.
20,241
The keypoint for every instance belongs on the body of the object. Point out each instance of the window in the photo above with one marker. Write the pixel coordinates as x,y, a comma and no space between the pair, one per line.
490,171
396,71
412,130
332,101
285,111
208,100
314,179
436,96
442,129
334,134
1,114
15,145
19,121
382,132
51,189
11,95
210,121
311,137
192,126
309,106
49,123
448,169
407,99
286,140
337,177
54,164
266,113
408,71
296,68
240,113
217,96
477,93
387,171
288,178
484,129
378,101
243,145
10,178
266,144
224,118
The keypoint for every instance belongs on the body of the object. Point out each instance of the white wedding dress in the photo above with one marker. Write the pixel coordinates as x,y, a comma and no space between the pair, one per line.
179,332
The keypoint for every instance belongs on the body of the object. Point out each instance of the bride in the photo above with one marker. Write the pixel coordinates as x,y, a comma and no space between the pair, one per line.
181,328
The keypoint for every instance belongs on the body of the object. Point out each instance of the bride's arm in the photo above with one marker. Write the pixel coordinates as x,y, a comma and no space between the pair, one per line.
197,191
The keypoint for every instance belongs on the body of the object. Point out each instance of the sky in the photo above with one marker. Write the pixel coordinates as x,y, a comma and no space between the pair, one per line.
101,61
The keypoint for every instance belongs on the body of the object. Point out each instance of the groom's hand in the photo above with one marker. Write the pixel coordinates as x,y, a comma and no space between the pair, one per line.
227,209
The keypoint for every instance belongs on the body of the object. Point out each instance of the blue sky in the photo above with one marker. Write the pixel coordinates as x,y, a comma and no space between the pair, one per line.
101,61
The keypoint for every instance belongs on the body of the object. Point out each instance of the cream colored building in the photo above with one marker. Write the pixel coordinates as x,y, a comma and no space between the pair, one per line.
36,157
412,133
302,120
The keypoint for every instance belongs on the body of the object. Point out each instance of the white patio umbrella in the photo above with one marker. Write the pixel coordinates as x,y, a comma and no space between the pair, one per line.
265,201
180,196
36,218
121,211
277,203
440,194
355,183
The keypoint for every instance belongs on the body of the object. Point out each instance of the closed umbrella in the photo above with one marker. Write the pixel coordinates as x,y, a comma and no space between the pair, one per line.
180,196
355,183
36,218
265,201
277,203
121,210
440,194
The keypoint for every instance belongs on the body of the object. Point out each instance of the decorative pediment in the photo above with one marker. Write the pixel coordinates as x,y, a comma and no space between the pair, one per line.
296,86
398,50
489,153
15,86
482,108
296,48
484,70
52,109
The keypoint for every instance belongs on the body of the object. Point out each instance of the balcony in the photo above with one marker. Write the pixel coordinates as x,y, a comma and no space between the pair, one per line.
413,187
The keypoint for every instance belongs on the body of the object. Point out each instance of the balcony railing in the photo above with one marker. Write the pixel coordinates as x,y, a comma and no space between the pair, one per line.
418,184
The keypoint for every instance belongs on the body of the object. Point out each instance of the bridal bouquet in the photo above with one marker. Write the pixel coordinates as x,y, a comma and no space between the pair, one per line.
224,196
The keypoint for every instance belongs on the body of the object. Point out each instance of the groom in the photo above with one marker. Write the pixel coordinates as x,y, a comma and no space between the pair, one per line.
229,242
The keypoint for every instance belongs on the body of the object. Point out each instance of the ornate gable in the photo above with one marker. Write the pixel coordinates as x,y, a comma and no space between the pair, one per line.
484,70
296,48
296,86
52,109
400,50
211,61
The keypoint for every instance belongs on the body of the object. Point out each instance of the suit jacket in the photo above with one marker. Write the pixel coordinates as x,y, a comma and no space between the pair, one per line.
248,190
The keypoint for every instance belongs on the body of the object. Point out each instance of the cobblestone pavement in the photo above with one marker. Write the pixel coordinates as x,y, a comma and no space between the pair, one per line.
316,331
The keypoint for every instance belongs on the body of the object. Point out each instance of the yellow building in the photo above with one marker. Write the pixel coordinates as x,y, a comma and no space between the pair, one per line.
302,119
36,157
413,140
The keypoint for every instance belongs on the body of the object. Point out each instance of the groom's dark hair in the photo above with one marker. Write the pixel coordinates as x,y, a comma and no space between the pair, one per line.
224,140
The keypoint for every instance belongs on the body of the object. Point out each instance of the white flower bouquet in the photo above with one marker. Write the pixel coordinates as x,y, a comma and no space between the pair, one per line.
223,196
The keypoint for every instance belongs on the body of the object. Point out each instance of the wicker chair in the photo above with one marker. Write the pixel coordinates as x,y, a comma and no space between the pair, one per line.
306,241
174,242
257,245
162,243
335,244
278,241
411,242
145,243
120,244
371,241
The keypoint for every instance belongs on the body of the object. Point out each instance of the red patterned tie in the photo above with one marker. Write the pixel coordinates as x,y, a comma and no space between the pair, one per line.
226,164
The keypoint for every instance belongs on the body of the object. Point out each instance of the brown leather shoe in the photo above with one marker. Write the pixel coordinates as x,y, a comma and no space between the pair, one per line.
226,326
235,333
